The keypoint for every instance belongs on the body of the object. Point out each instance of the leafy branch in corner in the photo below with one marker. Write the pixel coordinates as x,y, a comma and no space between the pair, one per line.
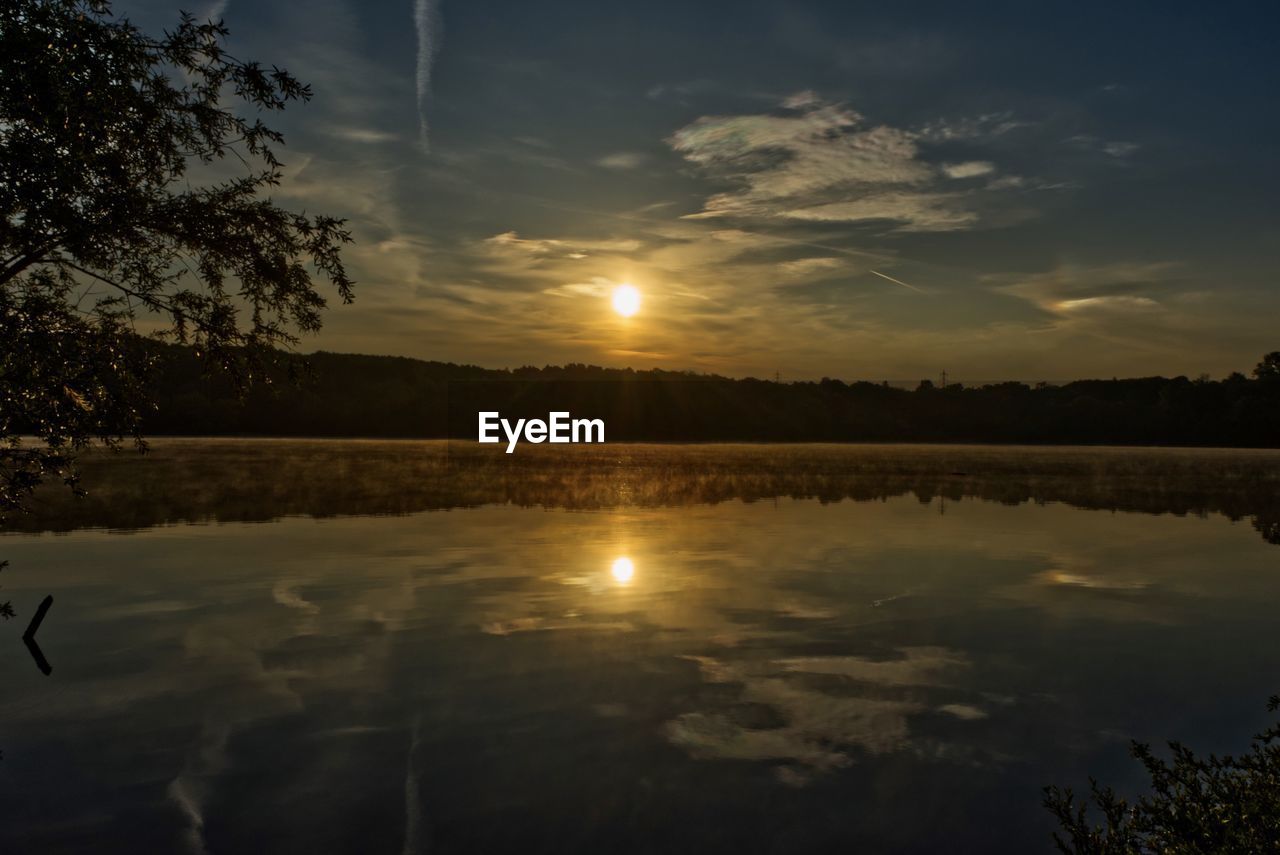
103,133
1195,804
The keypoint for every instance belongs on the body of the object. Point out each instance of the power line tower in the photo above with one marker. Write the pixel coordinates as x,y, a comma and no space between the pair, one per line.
944,378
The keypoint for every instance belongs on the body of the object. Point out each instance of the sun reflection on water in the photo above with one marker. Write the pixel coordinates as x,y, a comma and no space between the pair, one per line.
622,570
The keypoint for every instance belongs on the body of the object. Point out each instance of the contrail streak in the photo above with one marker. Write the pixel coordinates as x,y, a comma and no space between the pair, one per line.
426,17
897,281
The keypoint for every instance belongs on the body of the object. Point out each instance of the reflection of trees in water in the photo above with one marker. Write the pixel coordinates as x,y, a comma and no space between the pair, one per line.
250,480
1268,525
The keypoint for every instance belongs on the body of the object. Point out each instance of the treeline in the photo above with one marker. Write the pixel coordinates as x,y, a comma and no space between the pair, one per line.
340,395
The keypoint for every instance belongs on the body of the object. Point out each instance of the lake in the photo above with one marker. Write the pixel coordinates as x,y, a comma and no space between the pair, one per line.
340,646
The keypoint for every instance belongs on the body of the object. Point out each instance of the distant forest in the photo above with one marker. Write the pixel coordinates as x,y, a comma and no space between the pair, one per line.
347,395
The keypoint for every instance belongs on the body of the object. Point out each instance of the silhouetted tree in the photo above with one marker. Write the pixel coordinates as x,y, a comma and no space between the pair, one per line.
99,125
1269,367
1268,525
1196,804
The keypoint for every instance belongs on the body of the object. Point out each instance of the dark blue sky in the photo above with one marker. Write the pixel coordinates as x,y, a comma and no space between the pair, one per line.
1043,190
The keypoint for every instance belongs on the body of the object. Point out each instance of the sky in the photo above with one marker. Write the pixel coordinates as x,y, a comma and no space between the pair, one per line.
1033,191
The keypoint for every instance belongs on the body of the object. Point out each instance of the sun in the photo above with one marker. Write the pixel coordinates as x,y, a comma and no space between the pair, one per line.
626,300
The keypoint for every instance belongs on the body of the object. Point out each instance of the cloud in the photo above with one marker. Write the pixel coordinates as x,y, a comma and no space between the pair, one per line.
1113,148
1071,289
802,100
216,10
426,18
683,91
1122,301
568,248
918,212
986,126
825,164
805,267
1120,149
969,169
362,135
622,160
1007,182
599,286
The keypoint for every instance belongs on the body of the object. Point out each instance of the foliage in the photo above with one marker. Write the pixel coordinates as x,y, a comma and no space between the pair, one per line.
1269,367
63,378
103,130
1196,805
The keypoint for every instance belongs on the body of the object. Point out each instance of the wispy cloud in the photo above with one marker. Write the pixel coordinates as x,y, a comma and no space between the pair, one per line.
1120,149
216,10
802,100
569,248
969,169
822,162
362,135
622,160
808,267
1115,148
426,17
599,286
1070,289
986,126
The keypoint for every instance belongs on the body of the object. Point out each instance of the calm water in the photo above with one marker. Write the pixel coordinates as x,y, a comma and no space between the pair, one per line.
901,673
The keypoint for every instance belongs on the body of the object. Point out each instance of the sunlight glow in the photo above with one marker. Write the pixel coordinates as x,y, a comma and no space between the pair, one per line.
626,300
622,570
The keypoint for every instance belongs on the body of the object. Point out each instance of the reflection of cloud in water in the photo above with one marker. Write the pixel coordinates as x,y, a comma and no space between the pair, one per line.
815,730
918,666
190,806
286,594
190,789
806,611
540,624
414,820
252,691
1109,585
967,712
364,605
1080,580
